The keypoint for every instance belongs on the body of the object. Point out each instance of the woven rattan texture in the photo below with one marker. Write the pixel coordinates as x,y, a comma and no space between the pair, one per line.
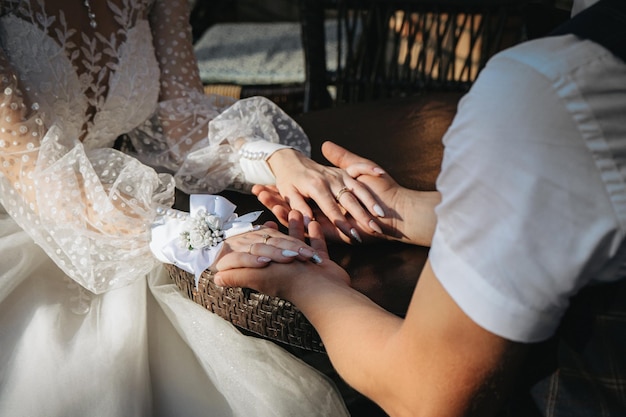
227,90
259,314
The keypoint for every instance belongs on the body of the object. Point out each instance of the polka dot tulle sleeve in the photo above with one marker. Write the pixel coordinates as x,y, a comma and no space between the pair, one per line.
69,91
89,209
198,136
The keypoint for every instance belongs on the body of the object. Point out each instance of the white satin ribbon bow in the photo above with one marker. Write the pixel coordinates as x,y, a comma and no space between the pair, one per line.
176,239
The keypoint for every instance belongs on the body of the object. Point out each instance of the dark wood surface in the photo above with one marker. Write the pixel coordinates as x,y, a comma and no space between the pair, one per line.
402,135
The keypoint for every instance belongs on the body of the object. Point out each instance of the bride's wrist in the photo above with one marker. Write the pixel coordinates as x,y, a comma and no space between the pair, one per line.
254,161
282,158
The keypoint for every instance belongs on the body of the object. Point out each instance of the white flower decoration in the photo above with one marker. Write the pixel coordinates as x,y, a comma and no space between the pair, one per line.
203,230
193,241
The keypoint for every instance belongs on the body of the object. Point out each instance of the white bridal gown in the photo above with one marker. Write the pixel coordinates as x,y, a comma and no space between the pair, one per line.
89,323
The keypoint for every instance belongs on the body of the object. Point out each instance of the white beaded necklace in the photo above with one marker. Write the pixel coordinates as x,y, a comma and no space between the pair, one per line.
91,15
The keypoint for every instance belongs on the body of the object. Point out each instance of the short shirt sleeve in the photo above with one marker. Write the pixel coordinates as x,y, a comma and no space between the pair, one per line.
532,191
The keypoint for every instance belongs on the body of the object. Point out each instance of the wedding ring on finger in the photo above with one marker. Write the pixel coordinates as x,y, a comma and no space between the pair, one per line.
250,249
341,192
265,237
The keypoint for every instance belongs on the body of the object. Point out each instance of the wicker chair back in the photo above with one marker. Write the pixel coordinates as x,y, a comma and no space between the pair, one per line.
389,48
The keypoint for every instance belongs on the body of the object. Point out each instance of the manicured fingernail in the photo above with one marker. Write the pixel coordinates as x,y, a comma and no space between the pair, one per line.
356,235
375,227
263,259
289,253
307,220
256,227
306,252
379,210
378,170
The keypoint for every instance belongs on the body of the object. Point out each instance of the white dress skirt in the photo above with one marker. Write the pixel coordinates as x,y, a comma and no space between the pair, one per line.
90,324
141,350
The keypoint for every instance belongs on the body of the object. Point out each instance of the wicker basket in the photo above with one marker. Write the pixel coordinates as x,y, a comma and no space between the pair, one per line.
255,313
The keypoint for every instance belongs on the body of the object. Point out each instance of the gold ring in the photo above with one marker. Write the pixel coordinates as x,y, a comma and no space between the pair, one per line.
250,249
265,237
341,192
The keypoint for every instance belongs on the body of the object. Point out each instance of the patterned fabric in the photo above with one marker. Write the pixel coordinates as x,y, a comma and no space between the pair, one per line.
591,375
68,94
581,372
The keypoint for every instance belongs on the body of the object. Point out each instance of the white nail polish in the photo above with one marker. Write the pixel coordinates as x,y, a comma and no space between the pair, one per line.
289,253
316,259
379,210
356,235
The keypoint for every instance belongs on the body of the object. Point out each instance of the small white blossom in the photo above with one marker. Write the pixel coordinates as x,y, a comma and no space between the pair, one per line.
203,230
214,222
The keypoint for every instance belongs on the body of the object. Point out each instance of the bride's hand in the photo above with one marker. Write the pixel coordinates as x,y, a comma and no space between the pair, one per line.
334,191
286,281
262,246
269,196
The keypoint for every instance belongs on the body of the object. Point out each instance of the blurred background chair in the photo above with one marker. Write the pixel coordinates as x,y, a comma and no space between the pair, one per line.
391,48
311,54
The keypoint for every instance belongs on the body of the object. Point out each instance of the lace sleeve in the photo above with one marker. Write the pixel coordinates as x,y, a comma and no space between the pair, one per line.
197,136
90,210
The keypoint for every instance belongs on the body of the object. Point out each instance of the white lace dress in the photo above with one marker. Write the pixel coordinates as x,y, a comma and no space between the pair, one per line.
89,323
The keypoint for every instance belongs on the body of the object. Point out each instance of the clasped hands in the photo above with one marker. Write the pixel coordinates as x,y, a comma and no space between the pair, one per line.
277,264
254,260
352,200
334,195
